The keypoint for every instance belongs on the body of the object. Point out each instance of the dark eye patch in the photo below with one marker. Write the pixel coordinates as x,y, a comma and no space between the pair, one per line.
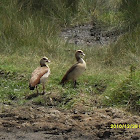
80,51
44,59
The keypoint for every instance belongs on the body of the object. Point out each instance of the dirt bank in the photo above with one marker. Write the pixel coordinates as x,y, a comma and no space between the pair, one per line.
31,122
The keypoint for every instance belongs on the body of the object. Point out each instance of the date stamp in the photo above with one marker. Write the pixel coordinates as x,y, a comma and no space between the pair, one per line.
125,126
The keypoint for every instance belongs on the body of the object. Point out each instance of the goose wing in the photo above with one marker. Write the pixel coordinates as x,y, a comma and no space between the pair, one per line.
37,74
65,78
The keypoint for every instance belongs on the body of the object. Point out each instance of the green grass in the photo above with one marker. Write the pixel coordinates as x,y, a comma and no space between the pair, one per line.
27,35
125,92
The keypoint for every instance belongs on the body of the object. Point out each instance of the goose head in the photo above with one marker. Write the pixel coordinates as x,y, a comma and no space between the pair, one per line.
79,54
43,61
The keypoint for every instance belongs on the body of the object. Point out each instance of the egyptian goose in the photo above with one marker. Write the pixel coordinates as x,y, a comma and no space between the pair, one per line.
76,70
40,75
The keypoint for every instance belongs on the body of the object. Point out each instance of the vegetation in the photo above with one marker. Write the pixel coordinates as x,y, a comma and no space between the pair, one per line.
30,29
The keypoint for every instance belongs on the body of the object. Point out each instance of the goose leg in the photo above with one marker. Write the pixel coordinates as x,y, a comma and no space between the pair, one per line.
43,89
36,89
75,83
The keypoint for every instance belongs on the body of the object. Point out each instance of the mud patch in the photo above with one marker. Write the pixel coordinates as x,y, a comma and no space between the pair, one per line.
91,34
38,122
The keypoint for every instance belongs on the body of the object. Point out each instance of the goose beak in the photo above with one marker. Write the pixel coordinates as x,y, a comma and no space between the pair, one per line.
83,54
48,61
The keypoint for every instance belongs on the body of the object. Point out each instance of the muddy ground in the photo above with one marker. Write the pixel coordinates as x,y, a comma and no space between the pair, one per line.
31,122
36,122
91,34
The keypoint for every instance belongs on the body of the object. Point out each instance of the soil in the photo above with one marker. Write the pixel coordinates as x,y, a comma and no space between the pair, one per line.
32,122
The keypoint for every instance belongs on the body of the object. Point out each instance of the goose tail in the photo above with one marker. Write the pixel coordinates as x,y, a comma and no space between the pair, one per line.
31,87
64,80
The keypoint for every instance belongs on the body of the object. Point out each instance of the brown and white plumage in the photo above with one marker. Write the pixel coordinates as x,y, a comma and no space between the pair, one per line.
76,70
40,75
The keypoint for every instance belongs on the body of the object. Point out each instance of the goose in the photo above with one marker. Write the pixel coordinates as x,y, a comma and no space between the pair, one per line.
76,70
40,75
